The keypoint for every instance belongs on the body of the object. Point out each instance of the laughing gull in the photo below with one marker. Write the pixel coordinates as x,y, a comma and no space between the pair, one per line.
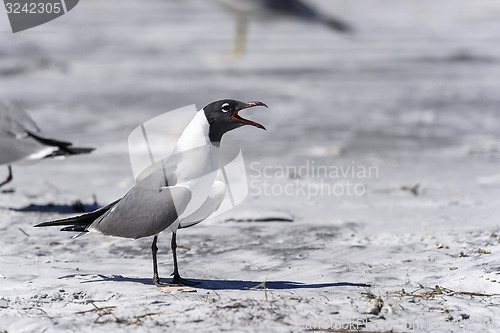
181,190
246,10
21,141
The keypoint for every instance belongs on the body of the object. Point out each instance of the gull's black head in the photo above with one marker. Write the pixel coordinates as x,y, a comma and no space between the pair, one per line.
223,117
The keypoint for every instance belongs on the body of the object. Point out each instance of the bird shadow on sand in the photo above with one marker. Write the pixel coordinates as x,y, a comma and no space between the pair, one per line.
234,284
76,207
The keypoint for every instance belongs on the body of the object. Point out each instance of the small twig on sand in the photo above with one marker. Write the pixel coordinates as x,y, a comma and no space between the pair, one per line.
24,232
108,310
438,291
449,291
96,309
412,189
261,285
137,319
101,312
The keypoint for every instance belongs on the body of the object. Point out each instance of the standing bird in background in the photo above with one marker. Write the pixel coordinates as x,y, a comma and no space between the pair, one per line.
181,190
246,10
21,141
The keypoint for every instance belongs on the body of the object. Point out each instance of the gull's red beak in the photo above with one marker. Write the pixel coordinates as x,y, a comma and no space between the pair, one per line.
248,105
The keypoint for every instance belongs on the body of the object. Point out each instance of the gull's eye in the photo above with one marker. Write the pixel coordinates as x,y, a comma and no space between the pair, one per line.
225,107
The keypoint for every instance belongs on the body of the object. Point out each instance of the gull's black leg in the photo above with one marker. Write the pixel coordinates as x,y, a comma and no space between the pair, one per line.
177,278
9,177
156,278
173,246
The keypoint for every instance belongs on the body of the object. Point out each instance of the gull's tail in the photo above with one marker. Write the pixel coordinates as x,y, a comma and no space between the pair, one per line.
79,223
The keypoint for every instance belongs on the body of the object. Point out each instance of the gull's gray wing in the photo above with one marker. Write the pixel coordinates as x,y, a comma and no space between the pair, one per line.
20,138
12,150
213,202
148,208
14,121
15,142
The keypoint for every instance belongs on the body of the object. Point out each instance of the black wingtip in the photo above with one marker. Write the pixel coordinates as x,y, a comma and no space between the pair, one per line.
65,148
44,224
79,150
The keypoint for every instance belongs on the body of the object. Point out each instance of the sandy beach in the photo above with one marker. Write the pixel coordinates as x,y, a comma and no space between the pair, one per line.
374,194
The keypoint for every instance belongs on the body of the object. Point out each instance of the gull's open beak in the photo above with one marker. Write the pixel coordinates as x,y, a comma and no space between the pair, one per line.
237,117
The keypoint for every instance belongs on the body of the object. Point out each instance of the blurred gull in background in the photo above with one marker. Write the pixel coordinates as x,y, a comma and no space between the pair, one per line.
246,10
21,141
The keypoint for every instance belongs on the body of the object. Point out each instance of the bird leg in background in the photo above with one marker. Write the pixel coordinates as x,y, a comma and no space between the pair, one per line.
9,177
176,277
240,39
